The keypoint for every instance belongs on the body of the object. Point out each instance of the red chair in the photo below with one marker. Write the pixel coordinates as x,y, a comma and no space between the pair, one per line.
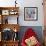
29,33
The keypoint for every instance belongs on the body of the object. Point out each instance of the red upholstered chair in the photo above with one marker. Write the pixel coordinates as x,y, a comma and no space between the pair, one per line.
29,33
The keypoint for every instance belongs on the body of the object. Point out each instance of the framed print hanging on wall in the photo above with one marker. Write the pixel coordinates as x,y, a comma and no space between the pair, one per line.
30,13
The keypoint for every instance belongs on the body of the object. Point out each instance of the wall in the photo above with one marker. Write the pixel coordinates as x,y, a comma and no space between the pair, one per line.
30,3
26,3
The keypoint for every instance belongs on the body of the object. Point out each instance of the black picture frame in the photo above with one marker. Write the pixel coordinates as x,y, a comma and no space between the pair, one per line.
30,13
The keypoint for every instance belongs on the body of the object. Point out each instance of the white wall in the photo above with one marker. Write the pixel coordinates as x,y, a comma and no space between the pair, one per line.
26,3
32,3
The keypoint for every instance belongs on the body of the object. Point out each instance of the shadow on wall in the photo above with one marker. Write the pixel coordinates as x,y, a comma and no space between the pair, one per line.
37,29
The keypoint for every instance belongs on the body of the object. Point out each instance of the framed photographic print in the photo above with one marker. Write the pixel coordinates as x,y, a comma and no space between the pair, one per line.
30,13
10,19
5,12
13,20
5,20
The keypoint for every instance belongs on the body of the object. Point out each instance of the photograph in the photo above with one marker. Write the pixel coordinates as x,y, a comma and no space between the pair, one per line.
30,13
